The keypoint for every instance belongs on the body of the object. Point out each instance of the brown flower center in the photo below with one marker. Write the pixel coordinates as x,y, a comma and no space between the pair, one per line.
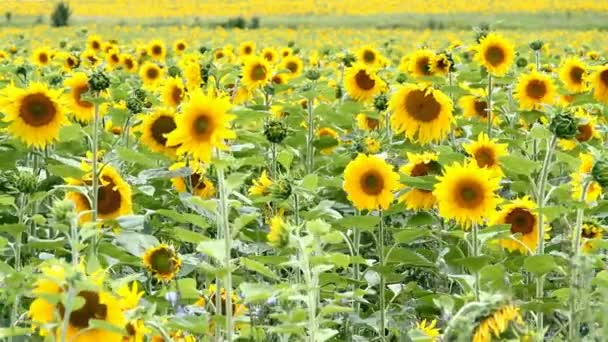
71,62
152,73
521,220
372,123
585,133
604,77
114,58
293,67
276,79
481,108
37,110
43,58
108,198
269,56
77,92
469,194
129,63
423,65
364,81
176,94
95,45
157,50
162,261
202,126
369,56
422,107
536,89
247,50
372,183
258,72
92,309
576,74
161,126
485,157
495,55
181,46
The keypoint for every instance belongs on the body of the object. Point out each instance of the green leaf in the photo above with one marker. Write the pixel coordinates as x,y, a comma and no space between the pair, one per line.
187,288
406,256
325,334
213,248
62,170
409,235
339,259
421,182
332,309
194,219
421,218
70,133
6,200
366,223
285,158
255,292
540,132
192,324
473,264
325,142
14,331
189,236
447,156
540,264
519,165
132,156
105,325
310,182
13,229
235,180
259,268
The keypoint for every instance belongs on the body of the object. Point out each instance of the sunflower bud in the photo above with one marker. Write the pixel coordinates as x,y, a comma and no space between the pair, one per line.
521,62
564,126
599,172
99,81
348,59
203,49
21,72
174,71
281,189
536,45
401,78
275,131
140,94
63,211
134,105
55,80
313,74
381,102
26,182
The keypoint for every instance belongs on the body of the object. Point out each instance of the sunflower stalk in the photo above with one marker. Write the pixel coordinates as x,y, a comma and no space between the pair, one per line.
489,117
94,171
66,316
382,279
311,281
475,252
310,160
541,230
573,326
16,303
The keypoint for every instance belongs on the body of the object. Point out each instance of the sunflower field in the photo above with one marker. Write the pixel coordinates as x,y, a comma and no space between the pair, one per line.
183,182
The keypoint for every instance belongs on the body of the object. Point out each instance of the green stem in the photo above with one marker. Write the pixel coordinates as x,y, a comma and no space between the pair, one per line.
95,175
311,289
574,281
273,149
382,279
66,316
540,280
310,158
489,106
537,59
225,227
475,248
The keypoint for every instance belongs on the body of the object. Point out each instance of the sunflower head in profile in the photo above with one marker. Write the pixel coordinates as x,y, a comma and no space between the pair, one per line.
368,123
475,104
369,182
599,82
82,110
534,90
369,56
279,79
429,329
261,186
496,323
587,130
151,74
573,74
42,56
419,165
136,331
591,232
487,153
154,129
162,262
256,72
270,55
97,305
294,64
179,46
277,235
577,180
422,113
466,193
420,63
173,92
35,114
247,49
209,298
157,50
522,216
129,63
495,53
201,186
362,83
332,136
68,61
202,126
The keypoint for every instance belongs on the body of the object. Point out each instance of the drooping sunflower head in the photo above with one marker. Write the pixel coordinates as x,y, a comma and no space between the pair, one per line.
522,216
368,56
247,49
599,81
114,194
270,55
367,123
572,73
577,180
534,90
332,136
429,329
256,72
495,53
162,262
487,152
277,235
173,92
421,63
419,165
154,130
294,64
202,126
362,83
496,323
151,74
422,113
179,46
466,193
591,232
35,114
369,182
157,50
79,85
587,130
200,185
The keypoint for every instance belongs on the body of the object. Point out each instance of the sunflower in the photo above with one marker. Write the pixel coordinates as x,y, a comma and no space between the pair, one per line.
94,42
369,182
330,133
256,72
192,74
599,81
362,83
209,297
154,130
173,92
157,50
429,329
247,49
202,186
270,55
465,193
533,90
89,57
179,46
69,62
521,214
162,262
369,56
136,331
421,112
279,79
594,190
221,53
42,56
494,325
129,296
418,165
591,232
495,53
474,107
35,114
129,63
82,110
372,146
97,305
202,126
285,52
367,123
113,59
277,235
151,74
261,186
420,63
294,64
441,64
572,73
487,153
587,130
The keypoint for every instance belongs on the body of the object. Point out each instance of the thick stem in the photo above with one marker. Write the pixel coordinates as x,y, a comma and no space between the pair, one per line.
489,106
540,280
225,227
475,250
310,158
273,162
66,316
311,289
573,326
95,175
537,59
382,279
